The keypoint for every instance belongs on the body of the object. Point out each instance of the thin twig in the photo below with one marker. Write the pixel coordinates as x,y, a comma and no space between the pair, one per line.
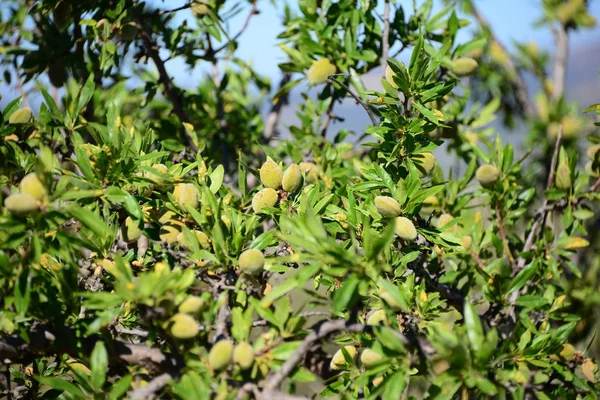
273,117
150,391
244,27
521,91
328,117
323,330
385,39
173,10
559,72
358,99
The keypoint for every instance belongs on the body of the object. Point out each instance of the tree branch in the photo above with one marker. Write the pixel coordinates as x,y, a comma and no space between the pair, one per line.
385,39
151,47
521,91
273,117
152,388
358,99
324,329
559,72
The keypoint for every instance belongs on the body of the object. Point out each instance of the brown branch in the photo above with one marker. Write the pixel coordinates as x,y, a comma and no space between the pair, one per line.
559,72
358,99
521,91
244,27
151,47
163,12
323,330
151,390
273,117
385,39
328,117
595,186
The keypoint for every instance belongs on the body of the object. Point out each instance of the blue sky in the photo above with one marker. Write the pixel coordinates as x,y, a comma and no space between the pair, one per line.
511,20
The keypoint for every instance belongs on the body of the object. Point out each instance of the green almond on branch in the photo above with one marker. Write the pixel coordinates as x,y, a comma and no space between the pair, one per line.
220,355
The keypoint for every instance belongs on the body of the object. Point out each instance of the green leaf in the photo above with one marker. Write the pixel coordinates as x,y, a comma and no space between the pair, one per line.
473,325
99,365
87,91
91,221
216,179
61,384
523,277
345,297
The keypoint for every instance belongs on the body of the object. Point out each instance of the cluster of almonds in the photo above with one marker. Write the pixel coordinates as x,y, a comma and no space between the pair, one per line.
273,178
32,194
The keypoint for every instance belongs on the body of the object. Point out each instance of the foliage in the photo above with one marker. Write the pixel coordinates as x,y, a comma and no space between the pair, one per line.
148,248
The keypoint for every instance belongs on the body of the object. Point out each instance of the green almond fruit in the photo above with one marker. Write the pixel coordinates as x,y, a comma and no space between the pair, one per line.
21,204
338,361
562,178
425,163
405,229
593,150
252,261
464,66
202,237
271,175
263,199
130,231
389,77
199,8
311,171
568,352
155,178
31,185
487,175
466,242
221,355
243,355
387,206
444,220
21,116
191,305
370,358
430,204
292,178
186,194
320,70
377,317
169,234
183,326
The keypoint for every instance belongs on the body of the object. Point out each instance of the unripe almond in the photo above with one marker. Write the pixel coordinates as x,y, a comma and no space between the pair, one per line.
405,229
271,175
464,66
202,237
292,178
562,179
377,317
568,352
387,206
338,360
130,231
377,381
430,204
169,233
487,175
21,116
263,199
252,261
444,220
320,70
311,171
593,150
199,8
161,267
389,77
186,194
425,163
221,355
243,355
183,326
21,204
369,358
32,186
466,242
191,305
155,178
